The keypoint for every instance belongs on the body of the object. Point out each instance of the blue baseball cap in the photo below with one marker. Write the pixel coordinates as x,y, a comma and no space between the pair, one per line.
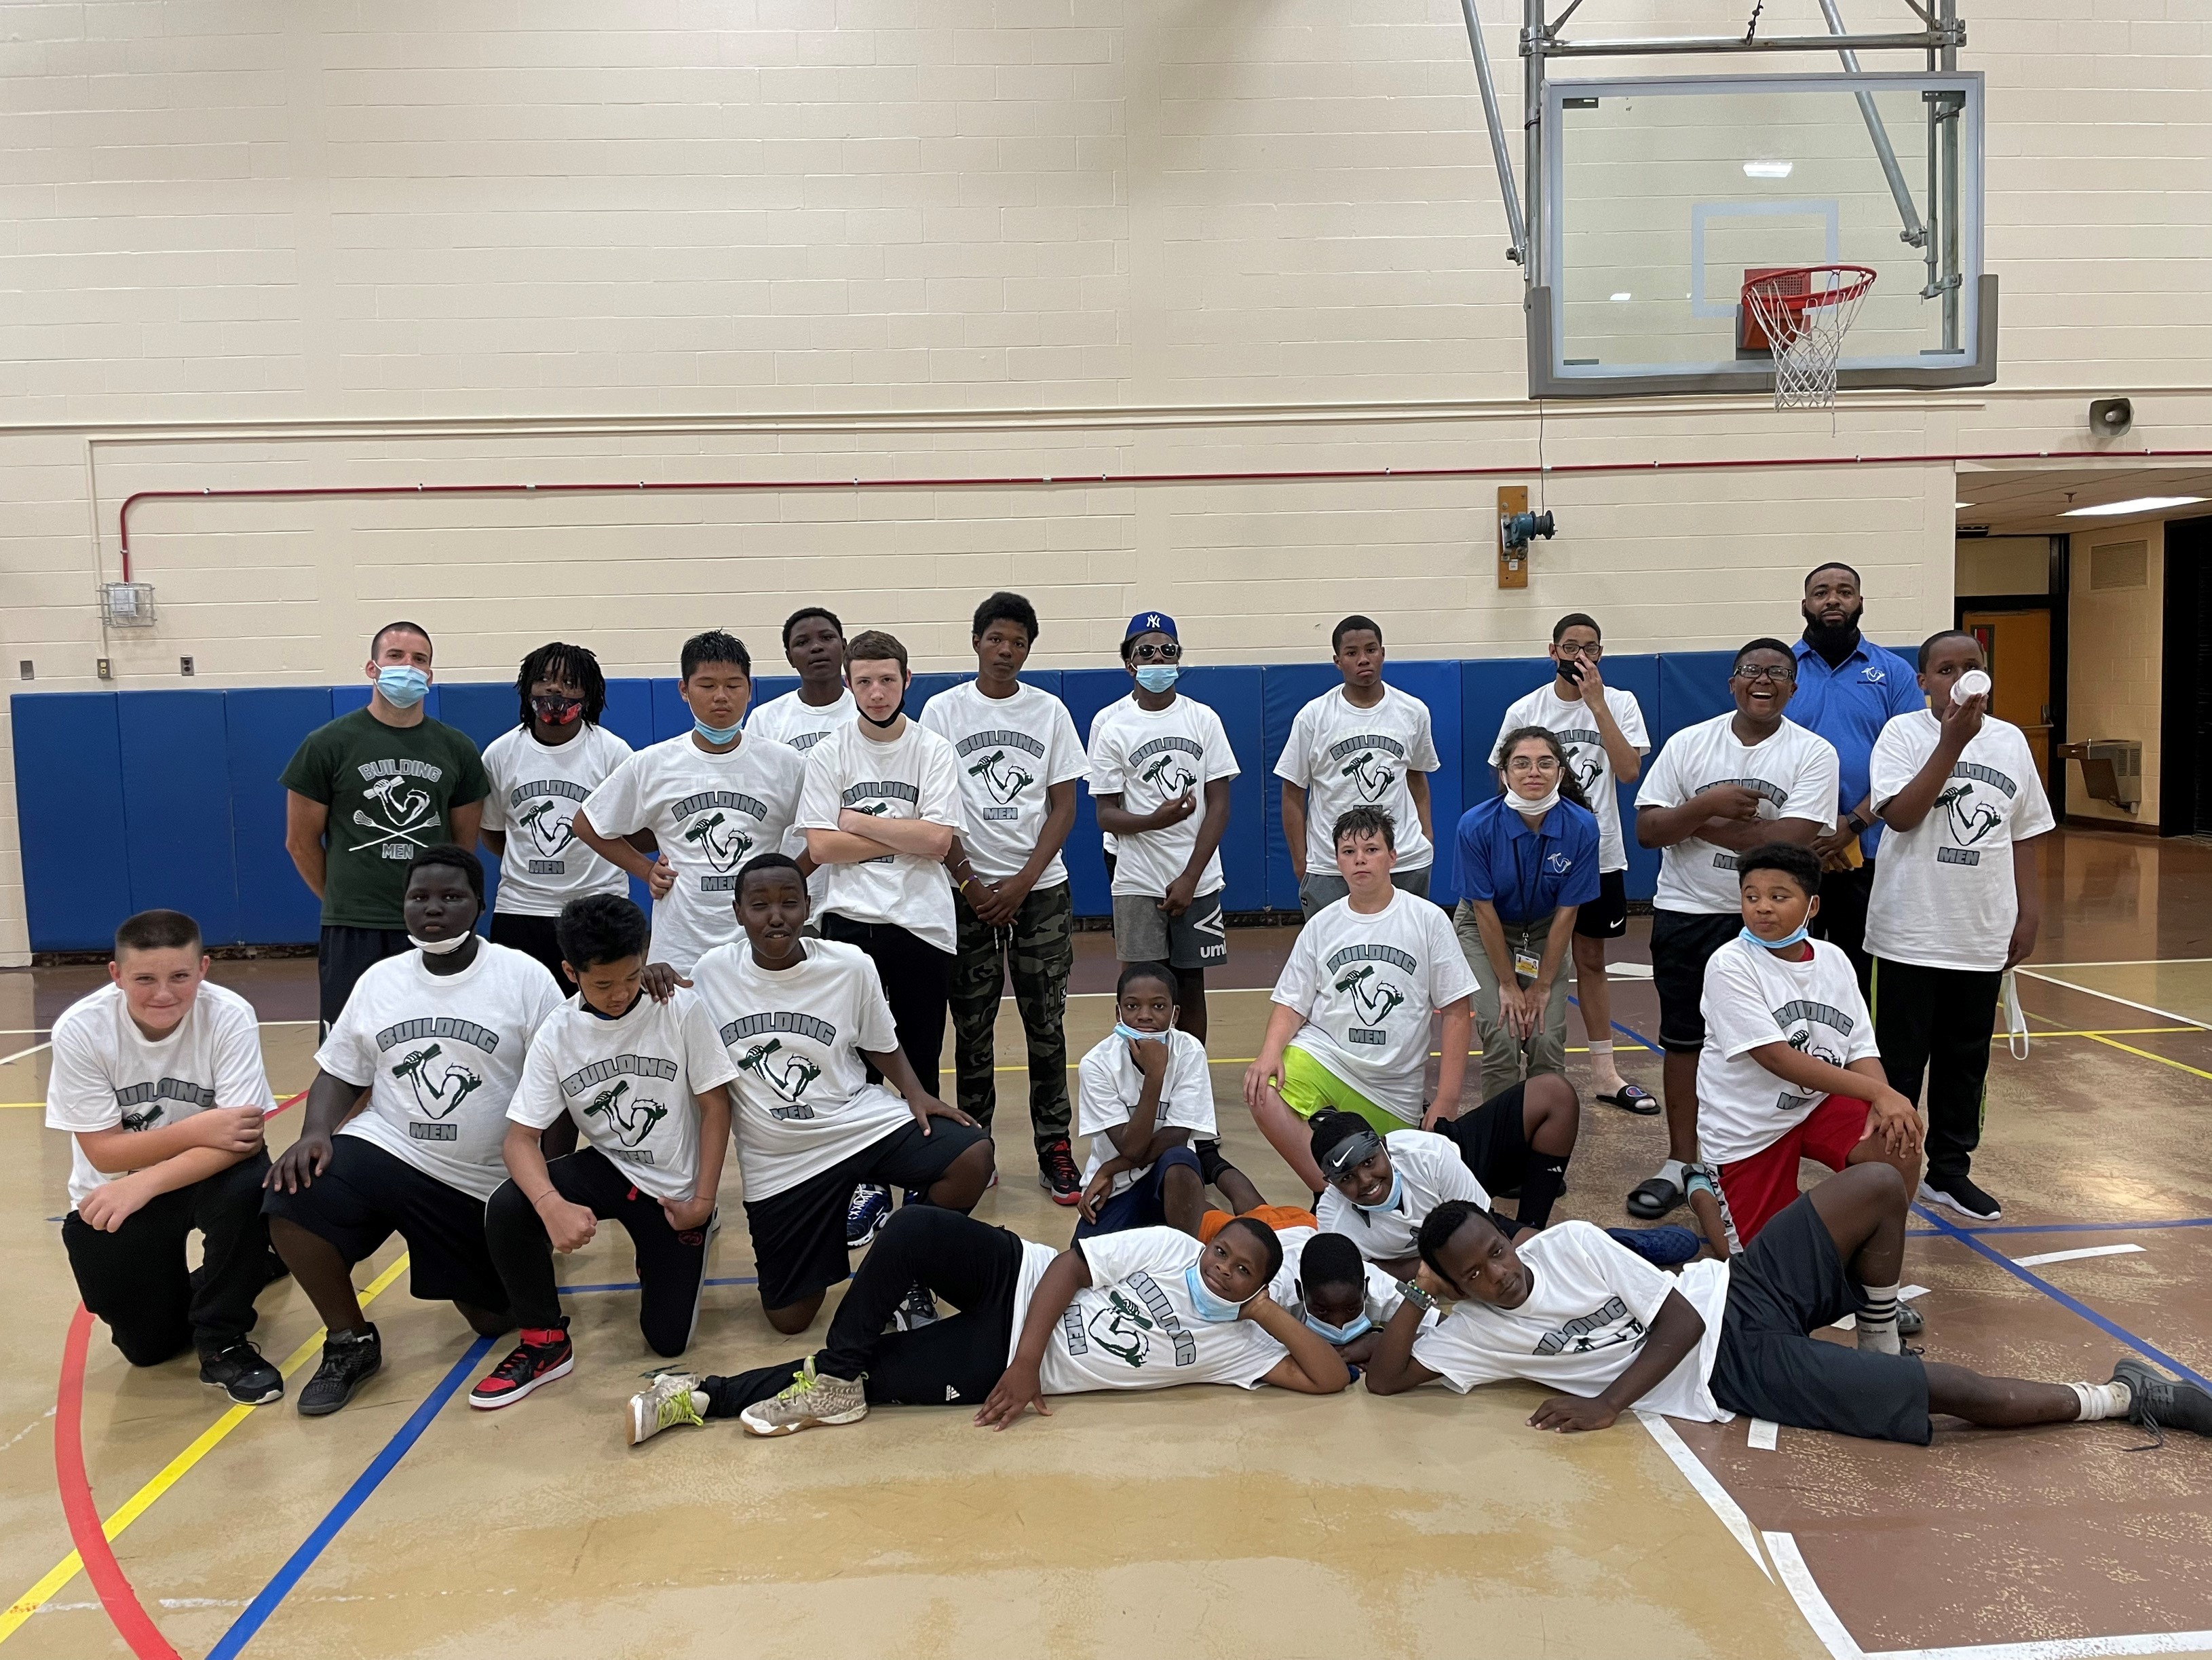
1151,622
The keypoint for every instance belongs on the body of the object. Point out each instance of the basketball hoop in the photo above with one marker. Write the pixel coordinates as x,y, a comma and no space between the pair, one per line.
1802,313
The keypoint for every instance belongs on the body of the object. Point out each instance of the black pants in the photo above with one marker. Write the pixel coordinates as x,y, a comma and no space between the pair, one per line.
918,982
971,1265
1842,921
135,1278
1938,1021
343,955
532,936
671,1267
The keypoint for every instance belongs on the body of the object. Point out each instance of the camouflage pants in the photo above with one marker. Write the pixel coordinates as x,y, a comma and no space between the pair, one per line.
1039,946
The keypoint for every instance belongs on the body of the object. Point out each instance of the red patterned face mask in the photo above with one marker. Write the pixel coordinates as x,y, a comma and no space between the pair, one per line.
555,711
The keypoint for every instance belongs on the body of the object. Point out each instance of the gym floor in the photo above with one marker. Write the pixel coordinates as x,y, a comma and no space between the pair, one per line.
1193,1521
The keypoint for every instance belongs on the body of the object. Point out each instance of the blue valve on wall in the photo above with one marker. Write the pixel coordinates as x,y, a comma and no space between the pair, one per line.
1519,528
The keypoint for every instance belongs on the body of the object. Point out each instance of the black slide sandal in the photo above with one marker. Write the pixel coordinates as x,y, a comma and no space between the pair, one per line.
1650,1200
1632,1098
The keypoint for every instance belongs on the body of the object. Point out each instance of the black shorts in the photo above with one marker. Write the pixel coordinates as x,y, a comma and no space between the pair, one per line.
1492,1140
342,955
533,936
1606,917
1789,1285
1682,942
798,1235
365,1195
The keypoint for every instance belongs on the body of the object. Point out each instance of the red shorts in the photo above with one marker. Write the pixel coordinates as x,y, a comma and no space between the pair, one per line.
1760,1188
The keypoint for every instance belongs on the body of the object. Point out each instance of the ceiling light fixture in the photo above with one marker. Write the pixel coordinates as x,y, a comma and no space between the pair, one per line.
1767,170
2136,504
1623,297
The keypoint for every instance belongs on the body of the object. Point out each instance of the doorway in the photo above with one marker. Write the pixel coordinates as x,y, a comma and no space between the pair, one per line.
2185,784
2016,645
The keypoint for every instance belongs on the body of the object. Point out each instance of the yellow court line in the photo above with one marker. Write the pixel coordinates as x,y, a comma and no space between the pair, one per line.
140,1501
2107,1040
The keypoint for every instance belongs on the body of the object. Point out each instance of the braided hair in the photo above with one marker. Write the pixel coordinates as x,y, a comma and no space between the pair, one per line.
556,659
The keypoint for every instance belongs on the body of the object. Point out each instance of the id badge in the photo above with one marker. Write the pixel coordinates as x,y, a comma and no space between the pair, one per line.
1525,965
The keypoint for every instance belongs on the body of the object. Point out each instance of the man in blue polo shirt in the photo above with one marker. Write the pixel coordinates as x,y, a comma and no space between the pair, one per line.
1848,690
1527,860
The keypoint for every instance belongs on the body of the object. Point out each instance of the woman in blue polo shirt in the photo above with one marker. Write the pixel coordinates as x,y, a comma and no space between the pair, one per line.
1527,860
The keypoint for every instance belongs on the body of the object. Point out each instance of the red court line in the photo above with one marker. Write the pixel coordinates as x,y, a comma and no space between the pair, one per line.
116,1595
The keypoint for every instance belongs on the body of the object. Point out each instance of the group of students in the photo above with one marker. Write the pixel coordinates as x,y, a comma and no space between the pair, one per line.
817,897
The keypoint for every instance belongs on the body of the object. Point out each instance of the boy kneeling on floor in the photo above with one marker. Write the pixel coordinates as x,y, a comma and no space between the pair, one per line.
1573,1309
647,1083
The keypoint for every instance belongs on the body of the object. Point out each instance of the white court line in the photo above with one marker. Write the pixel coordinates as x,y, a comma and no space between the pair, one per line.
2074,1255
24,1054
1798,1580
2127,1002
2124,963
1701,1479
1904,1294
1764,1432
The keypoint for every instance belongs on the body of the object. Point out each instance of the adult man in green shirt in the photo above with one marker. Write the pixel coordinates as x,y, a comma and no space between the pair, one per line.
364,794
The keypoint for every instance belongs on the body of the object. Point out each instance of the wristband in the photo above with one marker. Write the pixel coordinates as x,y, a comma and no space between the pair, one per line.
1420,1299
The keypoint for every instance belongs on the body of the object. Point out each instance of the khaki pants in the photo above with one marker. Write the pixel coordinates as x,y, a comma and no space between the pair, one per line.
1506,1059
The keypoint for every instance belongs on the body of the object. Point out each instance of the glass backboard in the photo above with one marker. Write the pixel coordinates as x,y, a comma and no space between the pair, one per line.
1660,197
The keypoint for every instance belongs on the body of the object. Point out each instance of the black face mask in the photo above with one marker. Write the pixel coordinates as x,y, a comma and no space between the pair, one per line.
1834,643
555,710
881,725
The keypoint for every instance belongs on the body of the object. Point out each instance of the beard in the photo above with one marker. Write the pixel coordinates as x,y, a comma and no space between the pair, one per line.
1833,641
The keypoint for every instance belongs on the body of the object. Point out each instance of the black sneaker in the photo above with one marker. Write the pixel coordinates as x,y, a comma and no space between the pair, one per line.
916,1308
1957,1193
238,1369
543,1355
1057,1174
2160,1403
349,1359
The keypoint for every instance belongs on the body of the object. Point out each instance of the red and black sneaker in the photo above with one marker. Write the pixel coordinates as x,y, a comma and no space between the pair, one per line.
544,1355
1056,1173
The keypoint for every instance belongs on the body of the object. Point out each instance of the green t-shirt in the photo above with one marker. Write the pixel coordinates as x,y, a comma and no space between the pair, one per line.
391,790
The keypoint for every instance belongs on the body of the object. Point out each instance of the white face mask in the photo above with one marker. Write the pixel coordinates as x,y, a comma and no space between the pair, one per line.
439,947
1539,806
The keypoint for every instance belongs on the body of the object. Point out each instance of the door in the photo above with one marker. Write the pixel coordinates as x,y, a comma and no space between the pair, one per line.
2017,646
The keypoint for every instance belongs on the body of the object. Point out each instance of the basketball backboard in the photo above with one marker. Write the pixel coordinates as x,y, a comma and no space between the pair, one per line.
1659,197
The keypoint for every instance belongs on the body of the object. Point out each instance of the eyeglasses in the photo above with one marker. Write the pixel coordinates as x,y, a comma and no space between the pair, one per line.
1569,648
1166,652
1776,672
1545,763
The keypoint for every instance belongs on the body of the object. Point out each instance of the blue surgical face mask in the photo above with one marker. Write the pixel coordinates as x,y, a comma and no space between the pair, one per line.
1340,1335
1122,1028
1751,939
403,686
715,735
1159,677
1389,1201
1214,1310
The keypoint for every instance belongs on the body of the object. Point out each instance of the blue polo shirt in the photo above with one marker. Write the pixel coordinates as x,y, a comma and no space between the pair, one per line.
1849,705
1528,873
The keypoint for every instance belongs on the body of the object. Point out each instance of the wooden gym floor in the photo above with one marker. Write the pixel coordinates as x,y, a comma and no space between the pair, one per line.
1196,1521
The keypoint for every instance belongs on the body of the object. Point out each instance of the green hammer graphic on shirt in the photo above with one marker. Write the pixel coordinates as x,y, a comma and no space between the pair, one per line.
723,851
1004,783
1373,1002
789,1078
633,1121
437,1097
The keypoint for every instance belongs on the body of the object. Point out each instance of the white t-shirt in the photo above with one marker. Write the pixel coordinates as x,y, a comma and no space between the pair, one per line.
1591,1303
1433,1172
1578,735
631,1084
1368,986
108,1075
440,1056
1147,758
916,776
1011,751
800,1100
1108,1085
710,814
1942,890
535,791
1754,998
1379,1301
792,721
1345,756
1793,772
1134,1327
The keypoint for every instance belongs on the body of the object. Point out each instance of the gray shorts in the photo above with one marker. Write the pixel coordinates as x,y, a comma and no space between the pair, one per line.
1318,889
1143,933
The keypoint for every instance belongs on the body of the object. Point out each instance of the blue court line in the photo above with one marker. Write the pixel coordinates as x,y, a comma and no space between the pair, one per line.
242,1630
2060,1227
2109,1328
631,1284
1617,1026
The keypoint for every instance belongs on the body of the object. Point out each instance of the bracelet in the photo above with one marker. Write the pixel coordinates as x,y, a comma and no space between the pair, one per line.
1420,1299
550,1193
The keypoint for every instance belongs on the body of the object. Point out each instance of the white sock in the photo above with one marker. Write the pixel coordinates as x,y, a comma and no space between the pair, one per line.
1601,1062
2099,1400
1673,1170
1877,1321
700,1402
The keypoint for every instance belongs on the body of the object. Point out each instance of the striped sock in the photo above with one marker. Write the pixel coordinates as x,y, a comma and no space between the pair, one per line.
1877,1320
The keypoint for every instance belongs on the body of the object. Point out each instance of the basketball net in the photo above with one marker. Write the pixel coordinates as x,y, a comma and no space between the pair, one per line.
1805,313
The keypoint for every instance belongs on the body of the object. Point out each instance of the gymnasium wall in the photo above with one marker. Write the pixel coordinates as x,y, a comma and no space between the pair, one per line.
2115,645
249,247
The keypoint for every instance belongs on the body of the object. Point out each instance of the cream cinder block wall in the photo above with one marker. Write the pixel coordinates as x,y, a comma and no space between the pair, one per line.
2115,647
247,246
2002,564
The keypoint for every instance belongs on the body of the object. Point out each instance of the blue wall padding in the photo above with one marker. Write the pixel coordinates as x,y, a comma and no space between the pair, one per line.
69,814
263,725
130,799
176,807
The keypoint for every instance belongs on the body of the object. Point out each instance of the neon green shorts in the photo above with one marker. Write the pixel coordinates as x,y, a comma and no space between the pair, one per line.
1308,1086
